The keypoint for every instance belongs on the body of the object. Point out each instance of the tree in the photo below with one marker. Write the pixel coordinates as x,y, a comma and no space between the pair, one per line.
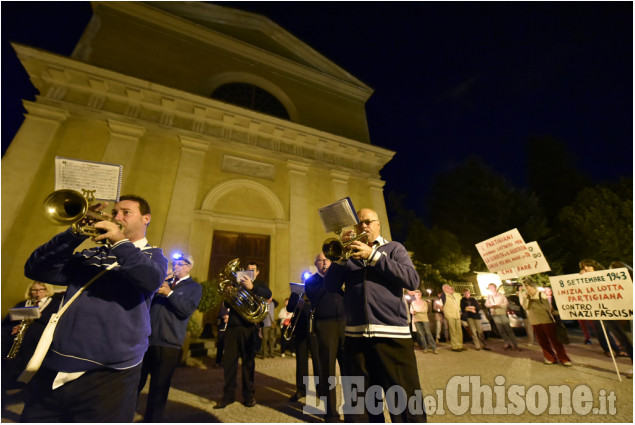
474,203
552,173
599,224
438,248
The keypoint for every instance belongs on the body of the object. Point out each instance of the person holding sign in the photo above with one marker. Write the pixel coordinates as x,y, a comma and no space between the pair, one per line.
92,369
539,312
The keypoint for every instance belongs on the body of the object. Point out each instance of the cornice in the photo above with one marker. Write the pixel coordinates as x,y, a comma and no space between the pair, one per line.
72,85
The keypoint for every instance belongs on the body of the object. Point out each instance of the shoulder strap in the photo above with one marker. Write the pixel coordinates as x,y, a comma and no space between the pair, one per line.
86,285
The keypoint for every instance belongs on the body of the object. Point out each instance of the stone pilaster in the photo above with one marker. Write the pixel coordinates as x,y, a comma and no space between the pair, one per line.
300,252
339,182
378,203
176,234
123,144
30,146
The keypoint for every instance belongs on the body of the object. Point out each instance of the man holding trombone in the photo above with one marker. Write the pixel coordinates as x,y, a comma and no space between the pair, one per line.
329,322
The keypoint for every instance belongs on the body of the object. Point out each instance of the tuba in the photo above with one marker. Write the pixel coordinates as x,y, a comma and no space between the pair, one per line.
251,307
66,206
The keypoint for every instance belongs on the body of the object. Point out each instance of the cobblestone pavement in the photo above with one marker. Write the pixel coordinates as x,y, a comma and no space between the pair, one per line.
457,384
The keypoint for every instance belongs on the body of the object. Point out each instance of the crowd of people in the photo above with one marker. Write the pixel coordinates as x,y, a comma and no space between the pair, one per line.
124,314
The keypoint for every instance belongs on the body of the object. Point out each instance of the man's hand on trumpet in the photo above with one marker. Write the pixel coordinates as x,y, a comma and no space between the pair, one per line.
113,232
360,250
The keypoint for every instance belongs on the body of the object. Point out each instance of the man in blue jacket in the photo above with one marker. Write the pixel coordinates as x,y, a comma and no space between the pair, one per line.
92,368
378,348
329,322
170,312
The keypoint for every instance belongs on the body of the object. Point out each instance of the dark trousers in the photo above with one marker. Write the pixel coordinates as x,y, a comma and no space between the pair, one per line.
239,342
552,348
220,346
383,362
160,363
304,343
330,336
104,395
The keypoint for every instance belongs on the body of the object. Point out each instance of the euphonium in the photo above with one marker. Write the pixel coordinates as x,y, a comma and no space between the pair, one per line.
69,207
336,250
250,306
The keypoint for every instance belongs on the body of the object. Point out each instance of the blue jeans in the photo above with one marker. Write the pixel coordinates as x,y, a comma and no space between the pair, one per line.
424,336
505,330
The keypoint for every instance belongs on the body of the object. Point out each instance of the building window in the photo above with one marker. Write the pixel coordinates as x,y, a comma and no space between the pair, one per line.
250,97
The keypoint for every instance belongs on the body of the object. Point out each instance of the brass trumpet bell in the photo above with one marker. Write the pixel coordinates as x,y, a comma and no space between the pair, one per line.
336,250
69,207
65,207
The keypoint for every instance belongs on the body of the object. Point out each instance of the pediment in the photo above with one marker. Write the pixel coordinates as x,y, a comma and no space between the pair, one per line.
257,31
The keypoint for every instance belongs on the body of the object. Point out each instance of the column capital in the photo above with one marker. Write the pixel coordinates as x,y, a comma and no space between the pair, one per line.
126,129
297,167
39,110
194,145
376,183
339,176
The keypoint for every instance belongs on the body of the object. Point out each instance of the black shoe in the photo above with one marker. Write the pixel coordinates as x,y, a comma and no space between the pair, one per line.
249,403
587,342
295,397
458,350
487,349
222,404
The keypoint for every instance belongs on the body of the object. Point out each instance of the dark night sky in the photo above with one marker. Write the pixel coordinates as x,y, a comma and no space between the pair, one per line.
451,80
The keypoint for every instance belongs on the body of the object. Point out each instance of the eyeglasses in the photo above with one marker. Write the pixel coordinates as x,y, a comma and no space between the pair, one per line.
180,264
366,222
38,290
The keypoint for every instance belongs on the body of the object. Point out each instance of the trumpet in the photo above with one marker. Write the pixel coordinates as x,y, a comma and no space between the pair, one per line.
295,317
69,207
336,250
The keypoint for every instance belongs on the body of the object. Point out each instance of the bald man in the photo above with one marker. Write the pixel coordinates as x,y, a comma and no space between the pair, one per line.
378,346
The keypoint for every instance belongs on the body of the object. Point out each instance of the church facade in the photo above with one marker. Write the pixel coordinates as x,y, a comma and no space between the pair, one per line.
234,130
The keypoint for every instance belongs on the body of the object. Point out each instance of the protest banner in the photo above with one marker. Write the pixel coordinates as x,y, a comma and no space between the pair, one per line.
536,264
598,295
505,251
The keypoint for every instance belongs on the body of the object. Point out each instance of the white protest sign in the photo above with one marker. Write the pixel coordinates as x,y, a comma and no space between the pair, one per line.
536,264
599,295
504,251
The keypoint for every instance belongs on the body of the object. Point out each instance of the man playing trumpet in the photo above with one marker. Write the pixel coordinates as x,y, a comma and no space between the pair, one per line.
378,344
92,368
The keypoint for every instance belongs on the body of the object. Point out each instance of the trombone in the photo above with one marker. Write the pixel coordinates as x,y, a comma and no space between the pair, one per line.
295,318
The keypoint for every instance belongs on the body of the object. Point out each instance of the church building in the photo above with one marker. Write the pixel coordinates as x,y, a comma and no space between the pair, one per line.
234,130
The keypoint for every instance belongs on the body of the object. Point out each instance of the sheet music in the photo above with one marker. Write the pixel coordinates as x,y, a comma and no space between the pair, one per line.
103,179
21,313
338,215
297,288
249,273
